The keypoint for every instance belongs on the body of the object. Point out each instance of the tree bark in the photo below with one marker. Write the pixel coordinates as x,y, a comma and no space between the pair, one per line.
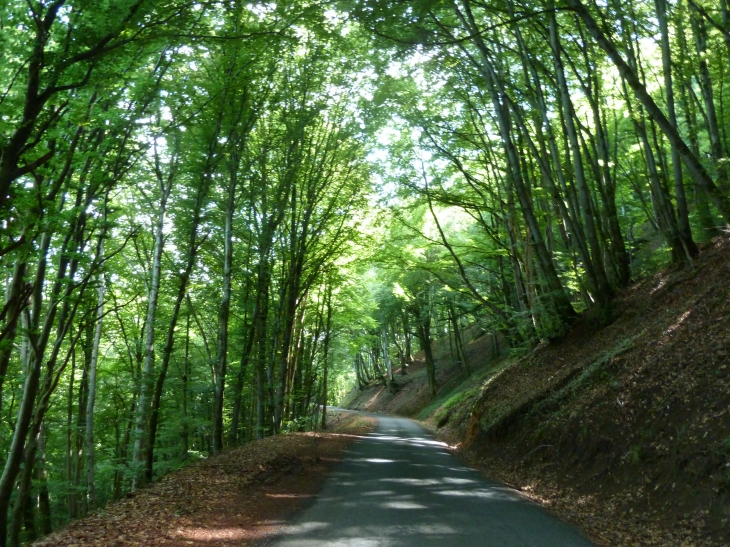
699,29
694,166
93,364
221,360
147,378
325,353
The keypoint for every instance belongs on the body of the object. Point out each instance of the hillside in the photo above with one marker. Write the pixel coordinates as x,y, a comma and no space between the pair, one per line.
240,497
623,430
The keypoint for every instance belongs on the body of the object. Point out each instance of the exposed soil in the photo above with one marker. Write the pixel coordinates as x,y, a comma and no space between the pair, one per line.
622,429
240,497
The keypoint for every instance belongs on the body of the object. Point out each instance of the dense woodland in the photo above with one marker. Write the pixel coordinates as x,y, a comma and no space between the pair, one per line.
218,216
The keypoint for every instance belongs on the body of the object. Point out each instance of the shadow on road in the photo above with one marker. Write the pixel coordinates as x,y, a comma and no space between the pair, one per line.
399,487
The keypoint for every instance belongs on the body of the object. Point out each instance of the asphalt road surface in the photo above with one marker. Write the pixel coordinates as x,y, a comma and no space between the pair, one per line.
398,487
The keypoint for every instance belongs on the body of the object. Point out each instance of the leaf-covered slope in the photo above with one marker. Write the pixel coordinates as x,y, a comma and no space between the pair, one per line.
236,498
624,429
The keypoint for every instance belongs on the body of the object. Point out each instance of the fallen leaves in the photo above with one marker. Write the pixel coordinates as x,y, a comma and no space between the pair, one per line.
230,499
634,414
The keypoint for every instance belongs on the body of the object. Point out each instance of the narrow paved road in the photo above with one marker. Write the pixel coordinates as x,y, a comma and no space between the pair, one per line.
398,487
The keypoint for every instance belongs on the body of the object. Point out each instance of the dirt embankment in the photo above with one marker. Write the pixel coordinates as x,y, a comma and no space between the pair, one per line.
240,497
623,429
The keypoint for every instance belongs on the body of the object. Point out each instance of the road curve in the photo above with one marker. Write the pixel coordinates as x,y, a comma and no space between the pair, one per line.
398,487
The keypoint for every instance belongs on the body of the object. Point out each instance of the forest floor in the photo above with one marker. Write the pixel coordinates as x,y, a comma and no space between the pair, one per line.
622,429
240,497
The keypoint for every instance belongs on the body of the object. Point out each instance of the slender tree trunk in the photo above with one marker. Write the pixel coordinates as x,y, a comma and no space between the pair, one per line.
458,339
679,193
557,295
709,225
603,288
261,332
14,455
44,499
65,320
697,171
147,378
357,365
233,435
79,478
14,305
325,353
186,378
289,311
93,364
699,29
386,357
664,209
221,360
70,498
164,366
192,255
424,331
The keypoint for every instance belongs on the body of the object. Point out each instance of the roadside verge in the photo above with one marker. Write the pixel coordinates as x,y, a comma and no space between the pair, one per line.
239,497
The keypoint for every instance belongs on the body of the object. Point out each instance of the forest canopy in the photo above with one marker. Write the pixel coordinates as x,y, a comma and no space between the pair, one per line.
218,217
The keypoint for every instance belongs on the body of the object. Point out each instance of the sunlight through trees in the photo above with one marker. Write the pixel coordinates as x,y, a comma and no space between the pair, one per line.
219,217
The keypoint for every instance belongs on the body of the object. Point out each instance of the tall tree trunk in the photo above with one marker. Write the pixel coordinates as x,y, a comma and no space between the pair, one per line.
93,363
192,255
261,360
185,379
557,295
70,497
458,339
386,356
65,319
14,304
664,209
699,29
325,353
221,360
31,384
44,499
250,332
708,223
694,166
423,318
147,378
603,288
682,210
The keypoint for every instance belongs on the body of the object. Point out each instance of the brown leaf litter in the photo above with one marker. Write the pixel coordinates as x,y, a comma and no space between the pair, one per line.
237,498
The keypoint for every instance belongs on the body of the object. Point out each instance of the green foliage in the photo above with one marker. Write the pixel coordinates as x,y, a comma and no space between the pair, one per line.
634,455
393,172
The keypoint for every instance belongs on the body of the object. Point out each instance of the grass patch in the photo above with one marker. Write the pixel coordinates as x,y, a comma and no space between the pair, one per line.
465,391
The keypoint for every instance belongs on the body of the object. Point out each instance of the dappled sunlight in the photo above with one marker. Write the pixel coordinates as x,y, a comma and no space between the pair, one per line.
397,487
211,535
418,441
414,482
305,527
403,505
491,493
373,398
457,480
378,493
674,326
492,379
662,282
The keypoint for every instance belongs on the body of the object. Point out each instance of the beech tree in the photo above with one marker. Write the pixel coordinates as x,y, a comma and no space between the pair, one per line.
218,217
